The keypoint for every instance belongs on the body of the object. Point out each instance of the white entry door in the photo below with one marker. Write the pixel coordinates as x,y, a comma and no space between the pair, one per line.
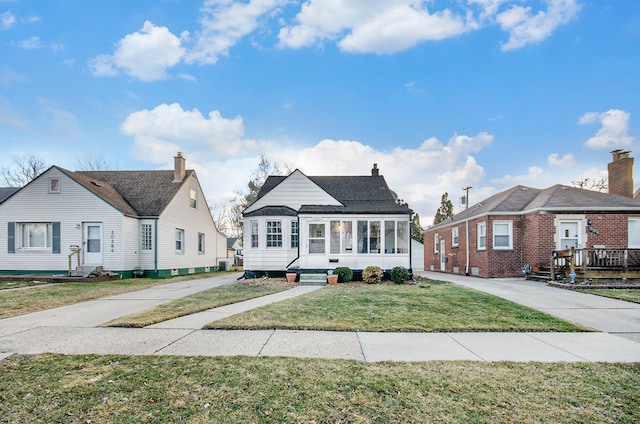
443,257
92,243
569,234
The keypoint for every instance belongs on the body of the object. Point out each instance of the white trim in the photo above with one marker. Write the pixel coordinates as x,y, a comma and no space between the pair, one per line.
509,234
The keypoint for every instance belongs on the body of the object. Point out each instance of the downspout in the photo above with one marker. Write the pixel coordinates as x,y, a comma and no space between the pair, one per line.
466,266
411,248
297,257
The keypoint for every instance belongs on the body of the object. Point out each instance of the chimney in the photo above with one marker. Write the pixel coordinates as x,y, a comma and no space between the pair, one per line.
621,173
375,171
178,169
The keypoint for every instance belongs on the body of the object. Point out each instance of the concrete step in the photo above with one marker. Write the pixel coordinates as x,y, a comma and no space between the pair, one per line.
82,271
313,280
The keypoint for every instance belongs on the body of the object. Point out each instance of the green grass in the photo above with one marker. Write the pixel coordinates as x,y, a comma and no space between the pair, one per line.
18,284
443,307
630,295
198,302
19,302
167,389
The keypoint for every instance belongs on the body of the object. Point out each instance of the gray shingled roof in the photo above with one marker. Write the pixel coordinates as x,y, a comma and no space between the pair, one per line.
6,192
358,194
137,193
557,198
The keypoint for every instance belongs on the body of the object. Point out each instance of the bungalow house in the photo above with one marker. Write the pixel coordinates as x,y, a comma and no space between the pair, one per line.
523,226
313,224
130,222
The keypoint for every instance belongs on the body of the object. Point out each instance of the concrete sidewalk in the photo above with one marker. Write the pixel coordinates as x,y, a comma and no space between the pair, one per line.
72,330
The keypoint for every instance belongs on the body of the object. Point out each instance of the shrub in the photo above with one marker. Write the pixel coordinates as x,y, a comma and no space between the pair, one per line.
372,275
344,274
399,274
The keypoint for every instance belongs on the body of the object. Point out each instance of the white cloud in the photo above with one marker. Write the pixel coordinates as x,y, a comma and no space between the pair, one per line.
225,22
145,55
11,118
7,20
554,159
533,175
63,125
167,129
31,43
614,132
370,27
526,28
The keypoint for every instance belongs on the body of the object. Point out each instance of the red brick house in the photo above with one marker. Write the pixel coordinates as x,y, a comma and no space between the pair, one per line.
522,226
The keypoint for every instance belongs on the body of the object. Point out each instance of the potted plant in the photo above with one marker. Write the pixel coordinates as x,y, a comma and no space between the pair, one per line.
291,277
332,278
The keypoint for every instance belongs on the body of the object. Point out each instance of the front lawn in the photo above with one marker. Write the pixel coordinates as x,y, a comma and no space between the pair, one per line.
19,302
169,389
198,302
444,307
630,295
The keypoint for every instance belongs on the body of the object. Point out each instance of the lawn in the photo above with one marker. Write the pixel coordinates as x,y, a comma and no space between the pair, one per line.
198,302
630,295
443,307
168,389
19,302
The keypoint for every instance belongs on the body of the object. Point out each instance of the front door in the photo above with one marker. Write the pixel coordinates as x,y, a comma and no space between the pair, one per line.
92,233
569,235
443,257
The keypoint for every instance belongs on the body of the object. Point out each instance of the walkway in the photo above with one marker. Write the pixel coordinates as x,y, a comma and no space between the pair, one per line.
72,330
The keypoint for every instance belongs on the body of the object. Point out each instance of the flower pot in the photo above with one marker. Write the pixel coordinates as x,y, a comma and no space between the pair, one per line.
291,277
332,279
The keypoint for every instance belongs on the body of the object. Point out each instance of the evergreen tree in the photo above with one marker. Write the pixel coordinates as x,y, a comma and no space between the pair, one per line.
445,211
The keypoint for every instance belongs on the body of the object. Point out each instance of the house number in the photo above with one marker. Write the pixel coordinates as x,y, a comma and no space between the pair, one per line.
113,237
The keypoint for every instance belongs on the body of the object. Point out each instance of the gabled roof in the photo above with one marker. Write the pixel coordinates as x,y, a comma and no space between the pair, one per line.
558,198
137,193
357,194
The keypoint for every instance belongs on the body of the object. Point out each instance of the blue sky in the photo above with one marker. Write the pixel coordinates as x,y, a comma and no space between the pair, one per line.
440,94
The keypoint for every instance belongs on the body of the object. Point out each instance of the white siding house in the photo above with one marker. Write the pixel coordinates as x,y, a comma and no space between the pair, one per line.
312,224
154,221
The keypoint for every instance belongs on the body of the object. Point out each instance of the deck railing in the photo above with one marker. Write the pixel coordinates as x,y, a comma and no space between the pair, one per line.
595,261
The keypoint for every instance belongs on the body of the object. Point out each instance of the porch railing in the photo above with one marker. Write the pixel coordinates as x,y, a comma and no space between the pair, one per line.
75,251
595,261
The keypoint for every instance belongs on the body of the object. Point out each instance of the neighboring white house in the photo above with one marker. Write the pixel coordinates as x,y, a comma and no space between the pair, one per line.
313,224
155,221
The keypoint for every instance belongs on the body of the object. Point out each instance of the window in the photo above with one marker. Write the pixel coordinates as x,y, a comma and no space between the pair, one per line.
193,198
254,233
436,243
454,236
396,237
369,236
295,234
316,238
146,239
634,233
274,234
36,235
200,242
341,239
482,235
502,235
179,240
54,185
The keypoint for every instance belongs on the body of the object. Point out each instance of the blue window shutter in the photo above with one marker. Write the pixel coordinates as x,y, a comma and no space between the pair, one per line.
11,243
56,237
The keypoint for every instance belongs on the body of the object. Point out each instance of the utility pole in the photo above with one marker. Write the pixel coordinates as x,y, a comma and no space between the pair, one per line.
466,196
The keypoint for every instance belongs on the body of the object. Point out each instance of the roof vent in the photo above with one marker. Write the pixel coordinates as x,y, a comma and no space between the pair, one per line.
95,183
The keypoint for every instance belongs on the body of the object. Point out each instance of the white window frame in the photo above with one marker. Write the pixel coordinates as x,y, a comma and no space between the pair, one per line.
179,240
201,244
146,237
454,237
274,234
54,185
633,238
436,243
255,234
25,242
295,234
193,198
320,241
481,235
509,227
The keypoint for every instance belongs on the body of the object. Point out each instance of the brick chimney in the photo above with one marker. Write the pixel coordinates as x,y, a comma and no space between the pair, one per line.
178,169
621,173
375,171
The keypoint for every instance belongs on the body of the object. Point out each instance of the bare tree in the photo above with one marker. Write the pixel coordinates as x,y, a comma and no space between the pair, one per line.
600,184
25,169
95,162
